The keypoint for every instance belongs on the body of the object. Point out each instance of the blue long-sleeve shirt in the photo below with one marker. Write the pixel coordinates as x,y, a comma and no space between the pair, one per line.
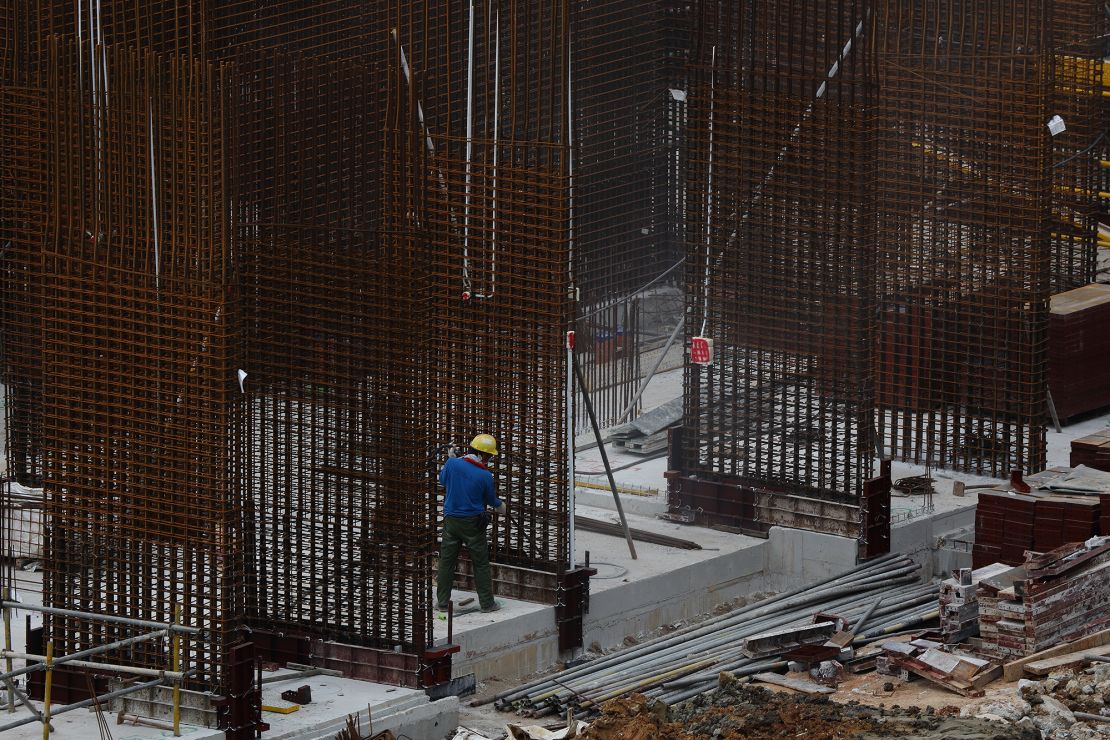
469,488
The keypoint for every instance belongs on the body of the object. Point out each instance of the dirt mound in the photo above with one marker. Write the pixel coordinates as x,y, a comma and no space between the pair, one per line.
741,712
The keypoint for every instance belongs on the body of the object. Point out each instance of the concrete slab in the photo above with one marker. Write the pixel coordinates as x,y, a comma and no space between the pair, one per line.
407,712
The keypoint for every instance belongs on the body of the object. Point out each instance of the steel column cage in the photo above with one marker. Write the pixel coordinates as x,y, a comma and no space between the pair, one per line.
779,246
963,164
138,352
498,223
241,325
1079,30
626,72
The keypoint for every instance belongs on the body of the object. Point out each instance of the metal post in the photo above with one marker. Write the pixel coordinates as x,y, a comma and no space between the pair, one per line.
46,697
654,369
177,668
604,456
8,645
570,448
171,627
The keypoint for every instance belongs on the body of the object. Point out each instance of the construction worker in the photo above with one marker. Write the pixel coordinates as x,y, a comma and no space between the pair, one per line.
469,487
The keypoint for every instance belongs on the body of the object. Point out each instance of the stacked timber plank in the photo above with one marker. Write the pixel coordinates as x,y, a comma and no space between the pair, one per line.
1079,350
1059,520
1092,451
1054,597
1004,528
1065,505
959,602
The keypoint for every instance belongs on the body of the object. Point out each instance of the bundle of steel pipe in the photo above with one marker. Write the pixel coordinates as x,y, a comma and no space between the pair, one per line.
683,664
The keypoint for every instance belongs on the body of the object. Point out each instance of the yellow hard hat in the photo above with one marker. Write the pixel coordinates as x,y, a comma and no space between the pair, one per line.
484,443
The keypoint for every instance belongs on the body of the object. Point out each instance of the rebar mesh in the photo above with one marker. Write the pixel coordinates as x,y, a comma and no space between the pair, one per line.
1079,30
138,353
23,211
963,168
778,264
497,208
626,132
250,262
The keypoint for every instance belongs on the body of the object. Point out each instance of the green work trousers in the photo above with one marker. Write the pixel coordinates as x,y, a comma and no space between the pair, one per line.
458,531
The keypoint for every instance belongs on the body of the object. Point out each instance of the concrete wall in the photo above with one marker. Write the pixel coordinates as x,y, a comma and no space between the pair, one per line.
918,538
796,557
513,649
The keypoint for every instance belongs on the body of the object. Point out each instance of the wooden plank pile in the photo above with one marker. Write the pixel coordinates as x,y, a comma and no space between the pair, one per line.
1078,346
1092,451
963,674
1004,527
1054,597
959,603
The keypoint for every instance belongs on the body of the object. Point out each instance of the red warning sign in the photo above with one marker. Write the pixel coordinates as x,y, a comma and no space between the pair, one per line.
701,350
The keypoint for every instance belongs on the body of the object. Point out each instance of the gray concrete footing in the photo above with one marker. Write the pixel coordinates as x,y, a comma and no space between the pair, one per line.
527,644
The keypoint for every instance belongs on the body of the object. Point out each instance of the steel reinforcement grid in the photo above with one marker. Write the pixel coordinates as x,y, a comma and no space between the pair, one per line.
498,198
963,165
245,405
1079,32
779,244
138,353
627,139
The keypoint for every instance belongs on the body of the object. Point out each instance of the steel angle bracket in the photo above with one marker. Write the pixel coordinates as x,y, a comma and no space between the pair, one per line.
435,665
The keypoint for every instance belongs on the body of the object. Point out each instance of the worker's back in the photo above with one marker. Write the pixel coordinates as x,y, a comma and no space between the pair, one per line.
469,488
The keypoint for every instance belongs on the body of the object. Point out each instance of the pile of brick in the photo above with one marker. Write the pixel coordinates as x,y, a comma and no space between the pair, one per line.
1054,597
1104,518
1092,451
959,603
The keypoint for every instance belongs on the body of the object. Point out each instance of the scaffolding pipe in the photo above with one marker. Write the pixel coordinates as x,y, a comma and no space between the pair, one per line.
169,627
604,456
175,675
82,654
86,703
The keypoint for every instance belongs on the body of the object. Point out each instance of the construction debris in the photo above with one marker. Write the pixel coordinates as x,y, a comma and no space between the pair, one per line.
1058,596
956,672
741,712
683,664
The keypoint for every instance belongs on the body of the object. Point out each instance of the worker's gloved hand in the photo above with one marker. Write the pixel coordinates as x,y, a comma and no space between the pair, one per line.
502,509
452,451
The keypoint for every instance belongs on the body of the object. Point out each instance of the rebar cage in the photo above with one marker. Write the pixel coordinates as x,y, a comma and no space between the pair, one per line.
236,336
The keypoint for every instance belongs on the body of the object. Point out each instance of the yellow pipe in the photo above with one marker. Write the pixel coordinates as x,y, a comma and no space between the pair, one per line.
46,695
177,668
620,489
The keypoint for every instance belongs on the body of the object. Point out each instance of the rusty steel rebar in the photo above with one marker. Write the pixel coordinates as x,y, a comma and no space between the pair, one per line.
238,238
963,166
778,267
